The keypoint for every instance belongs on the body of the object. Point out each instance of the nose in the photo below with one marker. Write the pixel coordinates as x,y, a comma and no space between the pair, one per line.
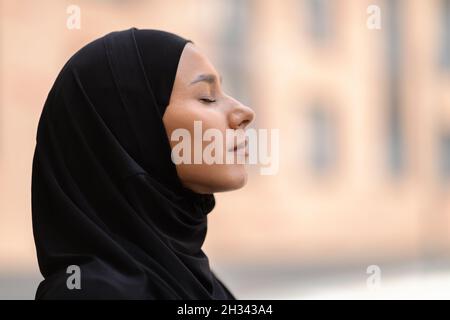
240,116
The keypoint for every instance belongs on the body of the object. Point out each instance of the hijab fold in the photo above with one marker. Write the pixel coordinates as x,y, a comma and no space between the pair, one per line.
105,194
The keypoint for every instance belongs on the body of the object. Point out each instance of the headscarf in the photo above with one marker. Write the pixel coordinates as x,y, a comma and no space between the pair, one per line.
106,197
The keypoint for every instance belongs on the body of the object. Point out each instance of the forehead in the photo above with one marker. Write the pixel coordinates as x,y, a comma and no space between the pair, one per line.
192,63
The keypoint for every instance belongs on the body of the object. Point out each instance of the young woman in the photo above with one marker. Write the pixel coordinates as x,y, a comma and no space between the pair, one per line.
113,216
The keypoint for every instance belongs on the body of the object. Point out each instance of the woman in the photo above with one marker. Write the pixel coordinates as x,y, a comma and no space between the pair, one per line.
113,216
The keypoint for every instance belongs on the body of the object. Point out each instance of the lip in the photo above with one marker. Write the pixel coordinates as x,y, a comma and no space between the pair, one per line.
241,145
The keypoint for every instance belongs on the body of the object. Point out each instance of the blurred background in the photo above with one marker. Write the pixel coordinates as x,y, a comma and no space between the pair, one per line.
360,206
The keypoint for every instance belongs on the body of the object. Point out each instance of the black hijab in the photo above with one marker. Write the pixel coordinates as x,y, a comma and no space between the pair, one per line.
105,194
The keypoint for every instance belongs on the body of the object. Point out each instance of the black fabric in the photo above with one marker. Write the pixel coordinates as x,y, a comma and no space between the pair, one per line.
105,194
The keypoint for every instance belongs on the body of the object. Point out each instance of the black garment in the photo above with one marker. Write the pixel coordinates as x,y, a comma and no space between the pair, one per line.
105,194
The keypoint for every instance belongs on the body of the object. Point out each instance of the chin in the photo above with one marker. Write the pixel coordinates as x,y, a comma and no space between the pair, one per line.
221,179
236,178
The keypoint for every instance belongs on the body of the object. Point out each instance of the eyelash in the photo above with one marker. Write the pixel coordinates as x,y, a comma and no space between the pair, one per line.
207,100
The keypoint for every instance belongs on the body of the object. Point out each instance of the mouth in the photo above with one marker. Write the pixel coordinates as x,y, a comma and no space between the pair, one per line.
238,147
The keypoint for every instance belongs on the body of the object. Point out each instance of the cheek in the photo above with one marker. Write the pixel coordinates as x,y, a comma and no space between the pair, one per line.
184,115
198,121
203,177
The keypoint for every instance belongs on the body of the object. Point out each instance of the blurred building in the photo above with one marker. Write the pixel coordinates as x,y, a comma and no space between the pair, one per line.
364,119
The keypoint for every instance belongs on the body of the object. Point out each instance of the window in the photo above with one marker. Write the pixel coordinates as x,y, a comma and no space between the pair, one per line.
322,145
444,41
444,156
233,40
319,19
395,136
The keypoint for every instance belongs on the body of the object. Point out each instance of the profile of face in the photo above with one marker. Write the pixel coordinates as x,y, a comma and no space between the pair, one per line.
197,95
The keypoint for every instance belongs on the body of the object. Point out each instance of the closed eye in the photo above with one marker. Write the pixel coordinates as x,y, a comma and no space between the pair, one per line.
207,100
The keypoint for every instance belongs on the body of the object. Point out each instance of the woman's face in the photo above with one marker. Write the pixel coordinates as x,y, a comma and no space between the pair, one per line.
197,96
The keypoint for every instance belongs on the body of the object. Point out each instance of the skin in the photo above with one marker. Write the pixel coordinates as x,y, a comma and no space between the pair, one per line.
198,97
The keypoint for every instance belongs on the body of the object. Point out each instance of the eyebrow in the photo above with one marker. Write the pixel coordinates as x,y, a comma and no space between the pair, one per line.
209,78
